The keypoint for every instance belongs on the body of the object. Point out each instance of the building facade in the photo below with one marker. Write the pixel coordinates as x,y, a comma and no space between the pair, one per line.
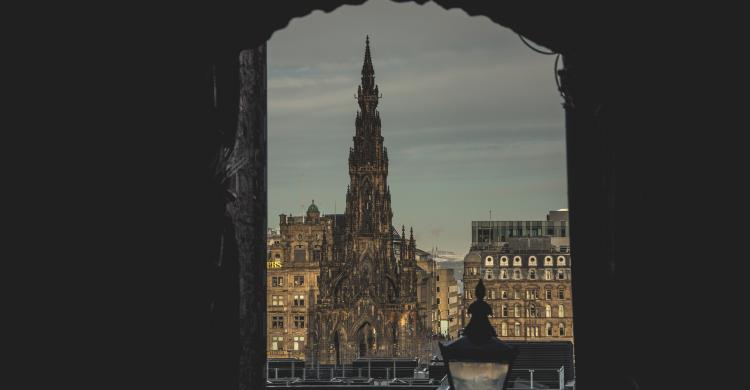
293,269
448,302
528,281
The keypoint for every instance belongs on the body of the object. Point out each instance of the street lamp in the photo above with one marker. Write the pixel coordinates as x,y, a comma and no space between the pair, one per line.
478,360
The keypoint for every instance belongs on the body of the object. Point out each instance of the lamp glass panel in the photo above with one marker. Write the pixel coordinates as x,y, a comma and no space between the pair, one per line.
478,375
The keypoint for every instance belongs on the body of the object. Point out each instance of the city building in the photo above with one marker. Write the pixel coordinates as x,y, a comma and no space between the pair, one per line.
346,286
448,302
527,273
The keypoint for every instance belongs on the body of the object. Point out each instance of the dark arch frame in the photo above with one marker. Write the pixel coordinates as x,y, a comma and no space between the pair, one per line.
202,90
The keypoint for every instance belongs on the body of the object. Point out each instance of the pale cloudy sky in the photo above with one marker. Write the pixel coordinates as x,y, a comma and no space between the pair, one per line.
471,118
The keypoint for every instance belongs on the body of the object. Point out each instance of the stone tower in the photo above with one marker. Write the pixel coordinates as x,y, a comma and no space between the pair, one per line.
368,300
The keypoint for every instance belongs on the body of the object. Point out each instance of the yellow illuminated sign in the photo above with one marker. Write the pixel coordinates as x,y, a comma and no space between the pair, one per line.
273,264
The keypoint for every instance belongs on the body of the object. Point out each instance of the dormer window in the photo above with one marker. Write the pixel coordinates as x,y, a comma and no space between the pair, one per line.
504,261
548,261
532,261
489,261
517,261
561,261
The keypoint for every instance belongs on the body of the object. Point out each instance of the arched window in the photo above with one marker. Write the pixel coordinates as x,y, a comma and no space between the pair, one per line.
532,310
517,261
517,310
504,261
505,310
503,274
548,260
547,274
561,293
548,311
561,311
516,274
517,329
532,274
504,329
561,260
548,329
532,261
489,261
547,293
562,329
488,274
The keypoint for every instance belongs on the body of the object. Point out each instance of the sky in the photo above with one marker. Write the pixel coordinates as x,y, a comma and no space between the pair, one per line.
471,118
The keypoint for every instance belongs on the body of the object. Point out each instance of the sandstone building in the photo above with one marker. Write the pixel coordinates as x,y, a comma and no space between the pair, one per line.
526,268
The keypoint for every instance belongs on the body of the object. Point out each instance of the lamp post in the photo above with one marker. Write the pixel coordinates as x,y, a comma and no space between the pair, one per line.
478,360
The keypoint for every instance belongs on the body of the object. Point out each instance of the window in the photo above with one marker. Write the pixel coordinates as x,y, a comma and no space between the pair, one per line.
548,312
455,299
488,274
504,294
299,280
489,261
503,274
561,311
316,255
504,329
297,341
561,260
299,322
532,310
561,293
299,300
560,274
547,274
562,329
547,293
492,294
517,329
438,300
437,277
299,255
277,300
438,288
516,294
517,261
532,261
505,310
277,343
517,310
548,329
277,281
277,322
532,274
277,255
516,274
548,261
504,260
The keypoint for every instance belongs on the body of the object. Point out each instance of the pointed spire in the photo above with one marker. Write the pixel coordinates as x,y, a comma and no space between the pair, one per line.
367,69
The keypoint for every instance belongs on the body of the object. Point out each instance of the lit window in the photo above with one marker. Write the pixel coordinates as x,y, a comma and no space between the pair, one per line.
517,329
561,311
277,300
504,329
277,343
297,341
299,300
548,311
